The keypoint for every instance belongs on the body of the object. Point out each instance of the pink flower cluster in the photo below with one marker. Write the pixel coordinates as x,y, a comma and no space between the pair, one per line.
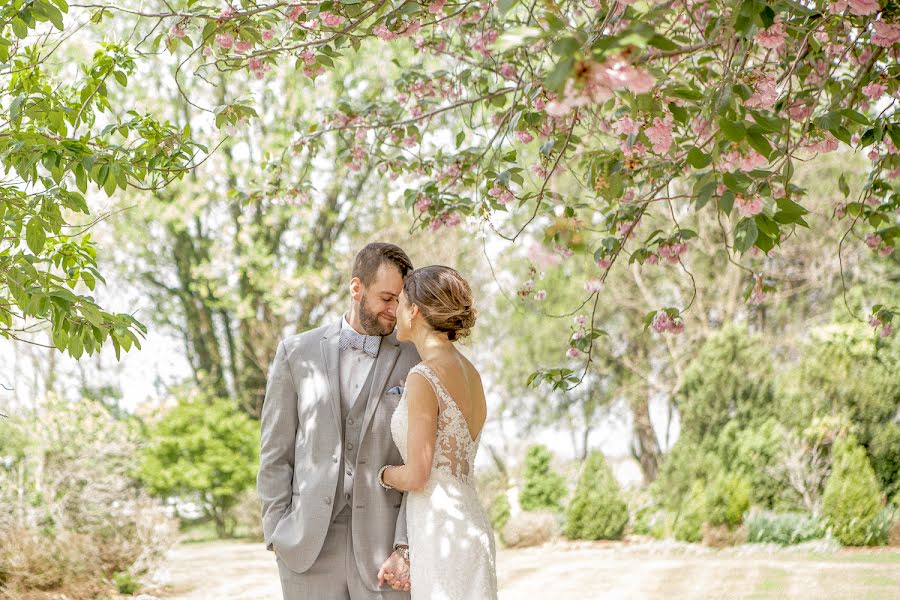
886,328
573,353
874,90
257,67
859,8
886,34
599,82
581,324
672,252
773,36
662,323
540,295
764,94
593,285
826,144
295,12
225,40
749,205
874,241
538,254
660,134
178,31
482,43
331,19
437,6
733,159
445,219
423,203
387,35
501,194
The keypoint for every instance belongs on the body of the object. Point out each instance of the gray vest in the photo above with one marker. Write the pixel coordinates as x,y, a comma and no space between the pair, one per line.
352,418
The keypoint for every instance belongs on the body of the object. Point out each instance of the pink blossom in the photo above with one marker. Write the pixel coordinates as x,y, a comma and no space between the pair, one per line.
873,240
827,144
753,160
178,31
225,40
506,197
625,227
243,46
773,36
873,154
652,259
581,320
539,170
226,13
593,285
885,250
603,263
874,321
660,134
860,8
539,255
524,137
573,353
579,333
626,126
309,58
495,191
508,71
540,295
886,330
764,95
410,141
267,35
331,19
384,33
749,206
295,13
437,6
257,67
799,110
886,34
662,322
874,90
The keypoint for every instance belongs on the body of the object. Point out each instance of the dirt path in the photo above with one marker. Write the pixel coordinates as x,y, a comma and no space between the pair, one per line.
583,571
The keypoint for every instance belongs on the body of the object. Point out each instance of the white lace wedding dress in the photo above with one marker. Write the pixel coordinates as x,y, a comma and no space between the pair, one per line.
451,543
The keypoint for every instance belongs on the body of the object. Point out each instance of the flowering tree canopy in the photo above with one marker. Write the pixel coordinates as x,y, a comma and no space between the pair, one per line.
574,121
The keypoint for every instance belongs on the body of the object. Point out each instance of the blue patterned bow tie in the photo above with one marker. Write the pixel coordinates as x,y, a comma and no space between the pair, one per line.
367,343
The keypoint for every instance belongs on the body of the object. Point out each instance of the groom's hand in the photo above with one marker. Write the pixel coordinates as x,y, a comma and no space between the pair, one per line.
395,573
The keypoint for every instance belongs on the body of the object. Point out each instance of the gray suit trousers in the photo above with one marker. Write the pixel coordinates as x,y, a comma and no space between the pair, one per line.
334,575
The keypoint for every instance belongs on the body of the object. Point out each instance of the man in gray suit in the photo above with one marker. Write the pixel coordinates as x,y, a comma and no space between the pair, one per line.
325,433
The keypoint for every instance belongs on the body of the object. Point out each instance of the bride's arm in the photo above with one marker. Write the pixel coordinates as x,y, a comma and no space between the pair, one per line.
420,440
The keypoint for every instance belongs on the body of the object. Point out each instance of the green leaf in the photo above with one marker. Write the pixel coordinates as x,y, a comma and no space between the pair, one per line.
731,130
759,143
559,74
35,236
460,138
745,234
842,185
697,159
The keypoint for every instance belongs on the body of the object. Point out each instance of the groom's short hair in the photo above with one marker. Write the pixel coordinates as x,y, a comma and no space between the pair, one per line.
373,255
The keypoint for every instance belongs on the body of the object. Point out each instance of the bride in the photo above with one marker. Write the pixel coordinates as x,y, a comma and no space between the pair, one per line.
437,426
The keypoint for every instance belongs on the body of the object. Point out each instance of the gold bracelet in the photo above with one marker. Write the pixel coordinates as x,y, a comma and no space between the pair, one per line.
381,478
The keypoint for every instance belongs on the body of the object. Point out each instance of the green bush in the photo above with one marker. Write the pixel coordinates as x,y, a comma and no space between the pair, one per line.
687,463
727,499
500,511
126,583
597,511
206,452
730,380
689,521
543,488
884,450
879,529
852,498
784,528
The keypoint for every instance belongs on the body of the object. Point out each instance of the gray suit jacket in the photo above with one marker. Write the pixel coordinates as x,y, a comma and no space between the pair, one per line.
301,439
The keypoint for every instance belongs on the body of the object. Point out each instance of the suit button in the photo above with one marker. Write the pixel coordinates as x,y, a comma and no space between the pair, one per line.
349,445
350,421
350,472
328,501
334,457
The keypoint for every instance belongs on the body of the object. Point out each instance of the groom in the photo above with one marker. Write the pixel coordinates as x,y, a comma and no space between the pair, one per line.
325,433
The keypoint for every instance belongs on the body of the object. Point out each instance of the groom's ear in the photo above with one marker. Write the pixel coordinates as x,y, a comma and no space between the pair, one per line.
356,288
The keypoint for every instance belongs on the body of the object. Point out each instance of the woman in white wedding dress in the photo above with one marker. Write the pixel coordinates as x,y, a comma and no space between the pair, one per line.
437,427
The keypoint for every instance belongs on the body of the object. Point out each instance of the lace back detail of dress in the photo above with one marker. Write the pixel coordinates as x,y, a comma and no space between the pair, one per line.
455,449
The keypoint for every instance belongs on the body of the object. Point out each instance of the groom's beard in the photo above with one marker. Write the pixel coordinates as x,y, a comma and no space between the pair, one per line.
370,321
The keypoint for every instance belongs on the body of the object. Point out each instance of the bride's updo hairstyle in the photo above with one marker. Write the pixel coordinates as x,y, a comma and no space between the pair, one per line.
444,299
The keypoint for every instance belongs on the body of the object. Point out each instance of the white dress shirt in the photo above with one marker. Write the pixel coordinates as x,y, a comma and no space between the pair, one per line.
353,370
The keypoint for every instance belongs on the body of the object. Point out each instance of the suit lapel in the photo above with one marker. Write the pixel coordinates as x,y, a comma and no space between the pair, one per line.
384,364
331,360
